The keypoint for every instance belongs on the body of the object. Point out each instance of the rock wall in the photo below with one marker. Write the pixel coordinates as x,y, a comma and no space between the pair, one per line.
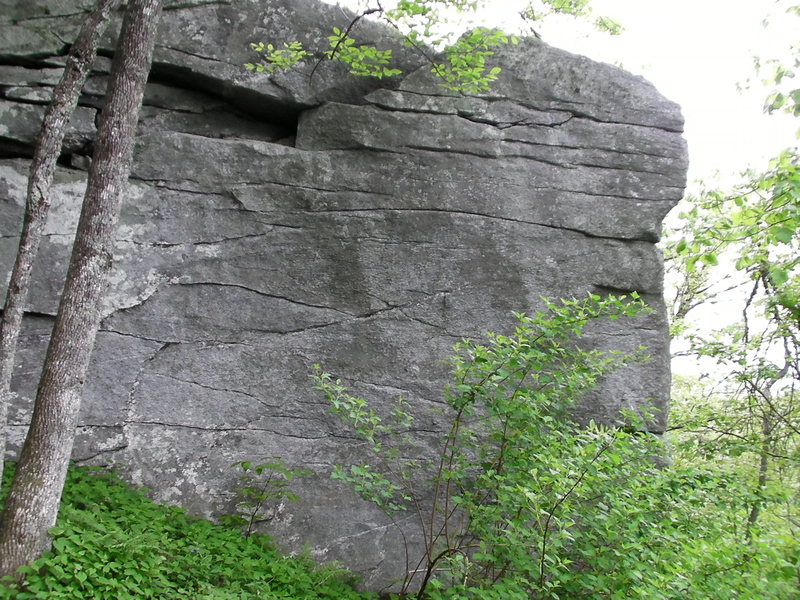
275,222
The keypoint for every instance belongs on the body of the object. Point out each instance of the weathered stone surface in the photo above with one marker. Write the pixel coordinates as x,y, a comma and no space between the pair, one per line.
20,122
275,222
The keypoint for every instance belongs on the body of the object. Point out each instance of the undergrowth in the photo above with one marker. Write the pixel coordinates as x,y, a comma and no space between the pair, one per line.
112,542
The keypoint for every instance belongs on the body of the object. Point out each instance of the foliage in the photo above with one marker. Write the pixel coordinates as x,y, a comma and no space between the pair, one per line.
465,69
363,60
423,26
757,224
264,487
746,241
538,10
741,421
720,432
276,59
780,75
528,504
112,543
742,426
749,238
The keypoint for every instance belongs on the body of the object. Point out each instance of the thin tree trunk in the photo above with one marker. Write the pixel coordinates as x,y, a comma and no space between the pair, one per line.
763,469
40,178
32,503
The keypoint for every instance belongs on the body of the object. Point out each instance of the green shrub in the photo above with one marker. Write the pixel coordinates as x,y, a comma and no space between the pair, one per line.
523,503
111,542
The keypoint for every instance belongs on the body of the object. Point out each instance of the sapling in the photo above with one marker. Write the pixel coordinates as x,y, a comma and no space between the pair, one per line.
263,488
505,499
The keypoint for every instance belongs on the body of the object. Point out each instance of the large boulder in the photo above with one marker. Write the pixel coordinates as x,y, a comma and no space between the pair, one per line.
273,222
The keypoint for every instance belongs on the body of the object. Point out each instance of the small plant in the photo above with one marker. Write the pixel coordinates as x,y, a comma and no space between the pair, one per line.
276,59
264,487
465,69
362,59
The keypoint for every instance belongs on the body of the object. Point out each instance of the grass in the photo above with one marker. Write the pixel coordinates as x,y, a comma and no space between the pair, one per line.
112,542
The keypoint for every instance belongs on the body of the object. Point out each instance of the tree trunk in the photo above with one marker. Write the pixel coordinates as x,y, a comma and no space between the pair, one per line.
48,147
763,470
32,503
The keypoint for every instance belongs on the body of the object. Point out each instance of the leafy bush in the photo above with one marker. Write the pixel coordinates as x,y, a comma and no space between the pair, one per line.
111,542
524,500
523,503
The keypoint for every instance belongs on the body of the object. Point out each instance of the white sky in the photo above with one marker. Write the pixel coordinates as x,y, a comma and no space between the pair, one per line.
695,52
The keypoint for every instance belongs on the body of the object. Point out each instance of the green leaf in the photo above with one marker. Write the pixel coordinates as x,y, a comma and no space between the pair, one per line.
778,276
783,234
709,258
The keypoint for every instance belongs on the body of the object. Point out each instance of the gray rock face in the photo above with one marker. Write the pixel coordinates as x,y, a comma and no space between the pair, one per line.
276,222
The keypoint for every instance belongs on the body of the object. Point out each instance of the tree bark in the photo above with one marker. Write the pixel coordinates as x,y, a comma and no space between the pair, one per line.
32,504
37,204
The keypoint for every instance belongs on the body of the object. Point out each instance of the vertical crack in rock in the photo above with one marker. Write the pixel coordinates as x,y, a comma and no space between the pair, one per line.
130,408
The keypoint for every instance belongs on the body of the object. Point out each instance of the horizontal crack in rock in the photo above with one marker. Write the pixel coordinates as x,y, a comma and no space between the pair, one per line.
265,294
538,108
488,216
84,459
227,429
188,53
196,4
489,155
